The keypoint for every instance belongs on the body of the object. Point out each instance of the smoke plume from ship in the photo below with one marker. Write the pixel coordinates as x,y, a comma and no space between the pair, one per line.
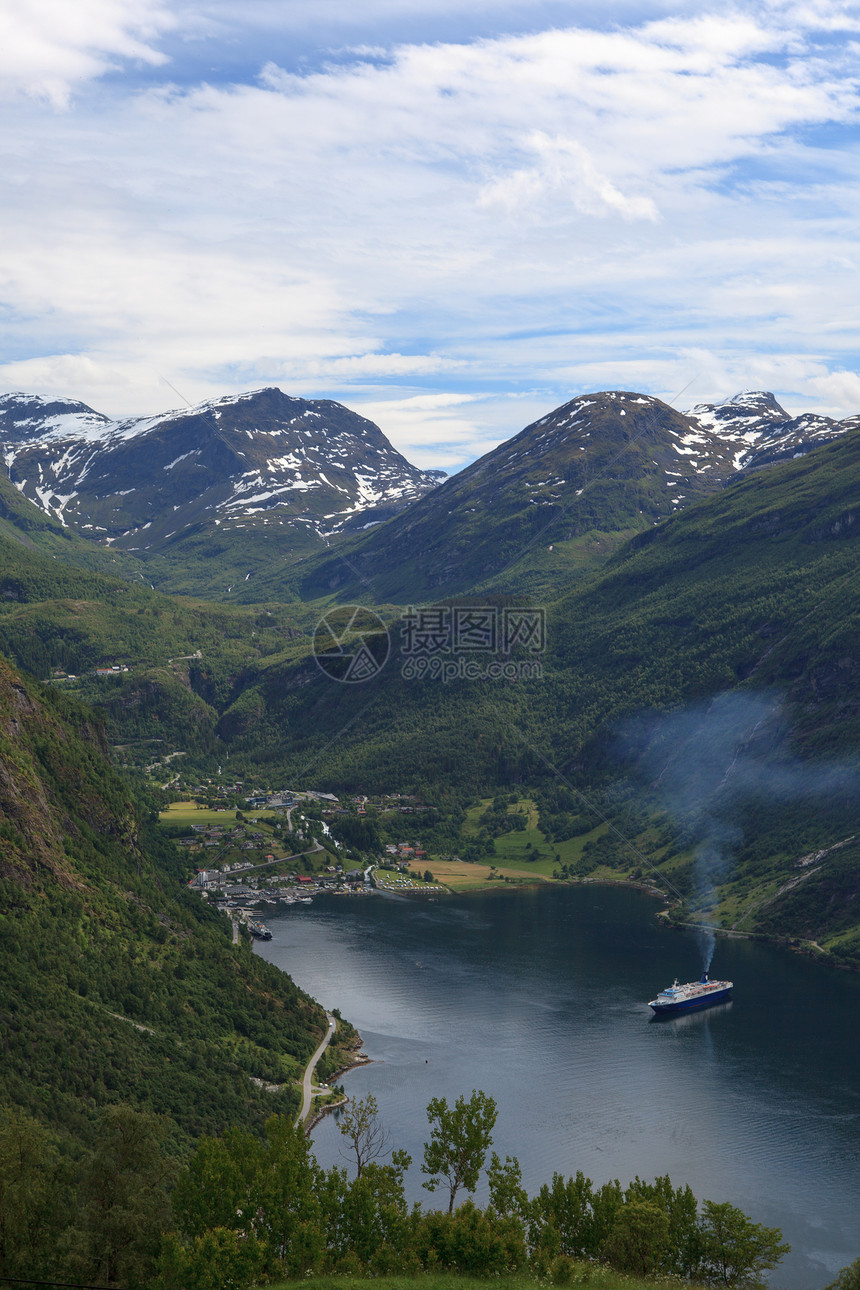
709,763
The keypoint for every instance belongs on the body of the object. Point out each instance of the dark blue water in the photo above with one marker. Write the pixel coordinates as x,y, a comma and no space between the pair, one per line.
539,998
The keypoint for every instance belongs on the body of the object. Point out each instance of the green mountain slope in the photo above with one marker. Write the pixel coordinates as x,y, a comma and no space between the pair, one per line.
24,525
60,609
752,591
555,499
119,985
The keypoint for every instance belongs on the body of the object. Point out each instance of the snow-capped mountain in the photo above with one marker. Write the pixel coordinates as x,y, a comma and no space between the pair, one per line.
591,472
258,458
224,498
758,431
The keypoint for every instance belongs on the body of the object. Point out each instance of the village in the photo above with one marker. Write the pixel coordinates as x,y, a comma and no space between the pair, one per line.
279,849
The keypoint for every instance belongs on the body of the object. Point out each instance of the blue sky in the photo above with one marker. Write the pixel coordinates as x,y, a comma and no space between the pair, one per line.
452,218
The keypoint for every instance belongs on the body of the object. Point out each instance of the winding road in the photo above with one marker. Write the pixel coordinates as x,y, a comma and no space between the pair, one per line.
308,1087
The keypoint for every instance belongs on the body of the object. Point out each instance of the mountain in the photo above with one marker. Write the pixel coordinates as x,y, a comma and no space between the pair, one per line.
234,484
749,595
26,528
761,431
561,496
64,606
119,985
225,499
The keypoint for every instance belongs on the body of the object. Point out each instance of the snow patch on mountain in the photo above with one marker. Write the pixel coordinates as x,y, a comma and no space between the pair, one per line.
759,431
233,456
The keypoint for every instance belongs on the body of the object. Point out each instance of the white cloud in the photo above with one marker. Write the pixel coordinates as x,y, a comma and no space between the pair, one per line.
530,214
839,391
564,168
431,429
48,47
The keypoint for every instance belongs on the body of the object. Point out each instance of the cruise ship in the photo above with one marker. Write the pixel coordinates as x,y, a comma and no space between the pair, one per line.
695,994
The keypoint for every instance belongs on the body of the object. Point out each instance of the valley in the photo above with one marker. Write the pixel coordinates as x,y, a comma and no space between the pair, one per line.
739,584
429,621
617,654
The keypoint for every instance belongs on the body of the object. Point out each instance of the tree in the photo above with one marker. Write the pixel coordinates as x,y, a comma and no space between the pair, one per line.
361,1126
683,1252
216,1190
460,1138
848,1279
371,1221
563,1219
33,1208
218,1259
124,1197
287,1202
508,1197
735,1250
639,1238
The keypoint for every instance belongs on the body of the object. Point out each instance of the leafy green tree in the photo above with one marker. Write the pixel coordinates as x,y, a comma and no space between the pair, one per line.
605,1204
460,1137
639,1238
286,1200
508,1197
218,1259
562,1220
370,1221
33,1204
359,1123
475,1242
124,1198
848,1279
735,1250
216,1190
683,1252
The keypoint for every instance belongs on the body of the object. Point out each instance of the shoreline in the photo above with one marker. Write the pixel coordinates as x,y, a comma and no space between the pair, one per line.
359,1060
797,945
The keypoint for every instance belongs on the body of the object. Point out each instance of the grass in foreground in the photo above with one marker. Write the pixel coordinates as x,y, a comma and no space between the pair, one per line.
590,1274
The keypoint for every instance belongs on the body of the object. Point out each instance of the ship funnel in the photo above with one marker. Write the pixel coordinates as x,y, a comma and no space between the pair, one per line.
704,980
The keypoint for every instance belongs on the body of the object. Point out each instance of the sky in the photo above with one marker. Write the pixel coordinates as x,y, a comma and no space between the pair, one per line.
451,218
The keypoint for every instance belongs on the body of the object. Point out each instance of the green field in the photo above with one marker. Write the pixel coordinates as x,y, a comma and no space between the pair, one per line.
528,849
189,813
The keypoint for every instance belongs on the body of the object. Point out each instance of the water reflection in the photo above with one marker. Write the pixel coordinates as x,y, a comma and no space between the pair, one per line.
681,1020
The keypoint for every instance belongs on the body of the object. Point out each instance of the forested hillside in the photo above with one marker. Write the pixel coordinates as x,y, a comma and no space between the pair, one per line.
119,985
751,591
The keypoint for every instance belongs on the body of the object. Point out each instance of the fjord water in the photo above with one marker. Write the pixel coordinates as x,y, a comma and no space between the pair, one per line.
540,999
